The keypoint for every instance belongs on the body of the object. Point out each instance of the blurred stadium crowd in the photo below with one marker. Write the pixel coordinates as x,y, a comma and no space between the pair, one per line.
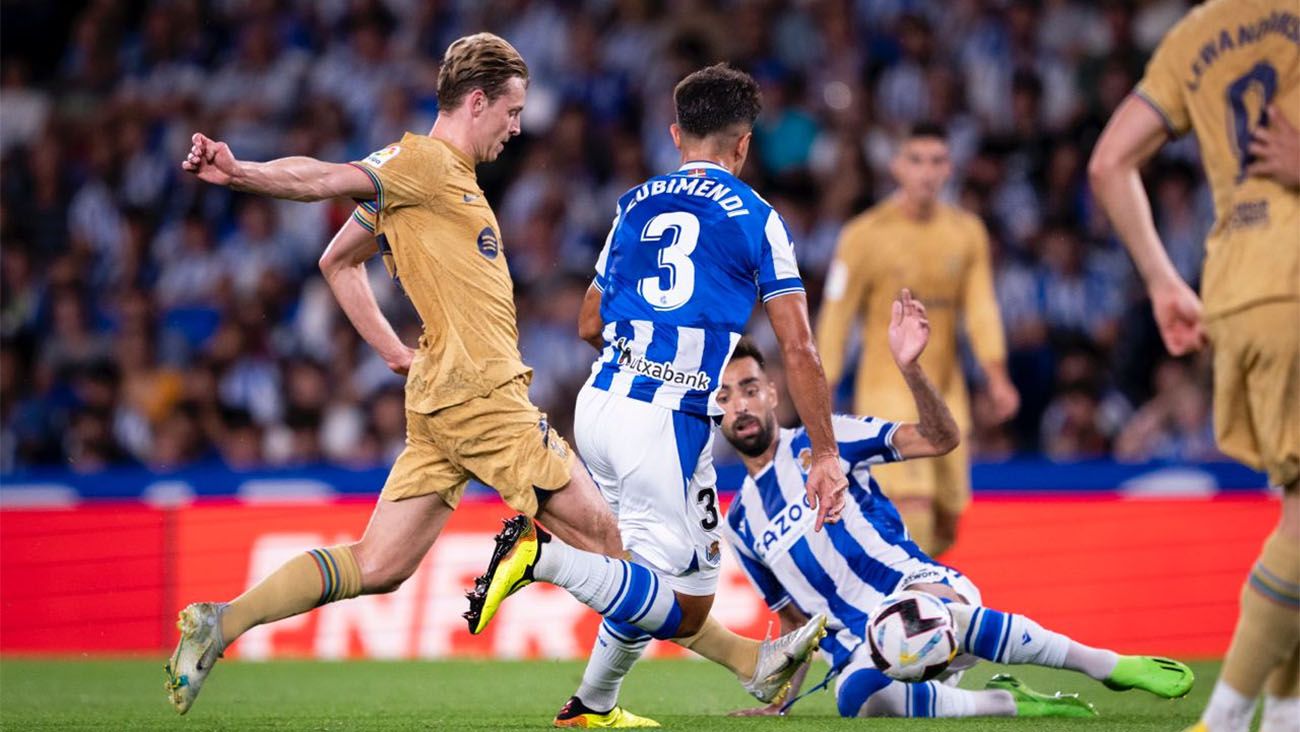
145,318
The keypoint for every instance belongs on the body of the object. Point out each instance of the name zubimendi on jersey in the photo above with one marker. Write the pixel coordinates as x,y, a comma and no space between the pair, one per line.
692,185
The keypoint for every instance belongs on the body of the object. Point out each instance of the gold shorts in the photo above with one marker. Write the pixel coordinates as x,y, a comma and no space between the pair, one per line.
501,439
944,479
1257,387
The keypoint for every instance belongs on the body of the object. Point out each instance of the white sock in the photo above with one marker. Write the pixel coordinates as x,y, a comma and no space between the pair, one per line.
934,699
1281,714
611,659
1010,638
1228,711
622,591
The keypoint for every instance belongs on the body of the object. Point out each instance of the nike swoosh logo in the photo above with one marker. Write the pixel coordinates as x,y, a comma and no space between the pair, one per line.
467,198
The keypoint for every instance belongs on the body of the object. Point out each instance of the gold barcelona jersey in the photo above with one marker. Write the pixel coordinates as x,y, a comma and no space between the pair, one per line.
944,261
1215,73
441,242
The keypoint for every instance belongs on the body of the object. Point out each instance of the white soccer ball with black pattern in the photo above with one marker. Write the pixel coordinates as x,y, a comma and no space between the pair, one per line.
912,636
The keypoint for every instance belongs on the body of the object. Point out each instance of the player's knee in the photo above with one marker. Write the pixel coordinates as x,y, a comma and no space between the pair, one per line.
379,574
853,693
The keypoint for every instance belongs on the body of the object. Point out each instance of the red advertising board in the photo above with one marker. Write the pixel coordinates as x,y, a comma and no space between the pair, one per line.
1155,576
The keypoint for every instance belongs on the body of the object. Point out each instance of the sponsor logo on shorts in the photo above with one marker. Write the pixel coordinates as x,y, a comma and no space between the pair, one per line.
555,445
659,370
488,244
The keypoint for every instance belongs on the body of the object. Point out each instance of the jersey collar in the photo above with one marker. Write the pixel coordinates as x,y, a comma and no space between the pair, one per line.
696,164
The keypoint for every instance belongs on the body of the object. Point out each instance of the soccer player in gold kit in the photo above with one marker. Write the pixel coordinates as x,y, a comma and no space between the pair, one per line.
467,408
941,253
1230,72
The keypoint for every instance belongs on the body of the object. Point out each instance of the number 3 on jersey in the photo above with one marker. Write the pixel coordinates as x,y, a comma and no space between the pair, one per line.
674,258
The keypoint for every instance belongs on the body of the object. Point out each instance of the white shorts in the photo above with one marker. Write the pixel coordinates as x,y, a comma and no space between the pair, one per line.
655,468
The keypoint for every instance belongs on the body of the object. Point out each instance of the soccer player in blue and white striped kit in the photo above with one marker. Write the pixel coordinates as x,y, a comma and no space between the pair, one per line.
848,569
688,256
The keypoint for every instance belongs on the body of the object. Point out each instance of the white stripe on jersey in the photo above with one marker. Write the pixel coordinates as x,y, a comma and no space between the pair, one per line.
642,332
783,261
689,358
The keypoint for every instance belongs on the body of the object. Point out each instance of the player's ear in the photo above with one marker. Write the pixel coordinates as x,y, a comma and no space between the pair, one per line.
477,102
676,132
742,146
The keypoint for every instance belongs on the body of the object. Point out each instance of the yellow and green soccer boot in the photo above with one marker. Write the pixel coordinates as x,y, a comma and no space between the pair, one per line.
196,653
577,714
1163,677
1030,703
511,569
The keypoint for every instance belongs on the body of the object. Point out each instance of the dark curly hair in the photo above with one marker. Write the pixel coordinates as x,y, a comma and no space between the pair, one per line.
715,99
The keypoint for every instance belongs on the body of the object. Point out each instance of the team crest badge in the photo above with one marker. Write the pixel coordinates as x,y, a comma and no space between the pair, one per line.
379,157
805,460
488,244
714,553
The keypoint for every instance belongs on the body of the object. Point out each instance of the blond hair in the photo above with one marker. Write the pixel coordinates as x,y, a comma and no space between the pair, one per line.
481,61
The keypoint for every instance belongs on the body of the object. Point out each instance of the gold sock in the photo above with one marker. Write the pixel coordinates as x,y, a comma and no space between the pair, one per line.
1268,627
300,584
720,645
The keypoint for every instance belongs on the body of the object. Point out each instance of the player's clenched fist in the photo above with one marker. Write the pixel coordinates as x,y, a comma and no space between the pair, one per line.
210,160
826,486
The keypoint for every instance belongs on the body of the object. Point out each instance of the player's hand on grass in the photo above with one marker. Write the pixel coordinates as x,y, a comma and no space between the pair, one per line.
400,362
1276,149
211,161
771,710
909,329
1178,314
826,485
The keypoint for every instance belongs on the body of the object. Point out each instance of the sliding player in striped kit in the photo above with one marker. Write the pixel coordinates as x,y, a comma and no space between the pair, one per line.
847,570
688,255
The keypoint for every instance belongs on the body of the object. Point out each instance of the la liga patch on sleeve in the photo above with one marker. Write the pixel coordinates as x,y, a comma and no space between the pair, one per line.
379,157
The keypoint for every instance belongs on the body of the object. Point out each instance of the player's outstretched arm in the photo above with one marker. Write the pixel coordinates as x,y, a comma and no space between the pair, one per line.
812,400
791,620
344,267
590,326
1134,134
295,178
936,433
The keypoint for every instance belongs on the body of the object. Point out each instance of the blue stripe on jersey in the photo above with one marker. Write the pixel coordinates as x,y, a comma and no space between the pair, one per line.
717,349
853,618
881,578
776,288
767,584
691,433
622,329
770,491
661,349
884,518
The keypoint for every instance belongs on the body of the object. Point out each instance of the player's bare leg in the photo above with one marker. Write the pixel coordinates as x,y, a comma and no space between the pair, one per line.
397,538
1268,627
579,515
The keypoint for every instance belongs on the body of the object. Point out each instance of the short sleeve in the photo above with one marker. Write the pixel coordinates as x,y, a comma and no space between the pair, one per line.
1162,88
402,176
366,215
760,576
778,272
865,439
599,282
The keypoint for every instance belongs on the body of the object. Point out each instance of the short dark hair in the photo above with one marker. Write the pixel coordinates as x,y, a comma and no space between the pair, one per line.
746,348
927,130
715,99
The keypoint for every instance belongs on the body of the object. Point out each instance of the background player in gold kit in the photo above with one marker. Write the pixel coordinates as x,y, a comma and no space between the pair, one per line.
940,252
1224,72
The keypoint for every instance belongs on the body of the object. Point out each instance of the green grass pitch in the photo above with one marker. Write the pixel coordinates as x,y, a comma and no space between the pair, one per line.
482,695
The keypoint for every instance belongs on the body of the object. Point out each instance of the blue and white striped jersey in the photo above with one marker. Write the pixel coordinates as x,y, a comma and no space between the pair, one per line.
688,254
848,567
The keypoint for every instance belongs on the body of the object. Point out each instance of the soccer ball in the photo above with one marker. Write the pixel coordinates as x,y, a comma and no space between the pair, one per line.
911,635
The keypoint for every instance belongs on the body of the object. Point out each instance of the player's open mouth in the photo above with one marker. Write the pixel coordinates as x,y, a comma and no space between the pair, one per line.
747,427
